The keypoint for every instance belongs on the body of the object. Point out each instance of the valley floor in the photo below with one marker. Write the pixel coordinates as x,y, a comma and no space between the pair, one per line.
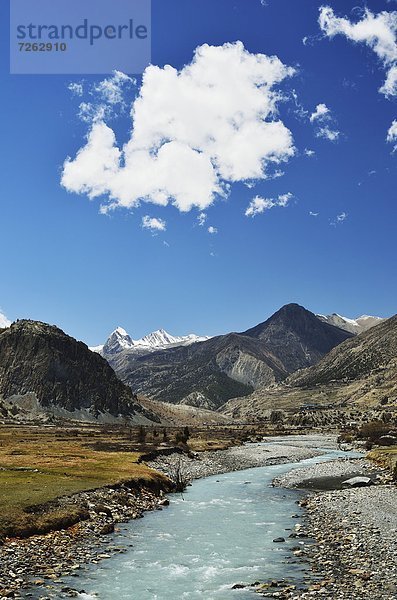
354,531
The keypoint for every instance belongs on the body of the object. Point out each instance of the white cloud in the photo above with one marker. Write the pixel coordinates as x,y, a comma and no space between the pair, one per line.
339,218
313,214
378,31
258,204
4,322
153,224
321,113
195,131
324,123
392,135
309,153
326,133
111,90
76,88
202,217
105,99
212,229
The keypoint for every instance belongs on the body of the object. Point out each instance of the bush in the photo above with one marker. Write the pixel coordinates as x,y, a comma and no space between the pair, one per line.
373,430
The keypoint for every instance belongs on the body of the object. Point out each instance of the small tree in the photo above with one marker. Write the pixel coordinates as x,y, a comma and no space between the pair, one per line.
179,476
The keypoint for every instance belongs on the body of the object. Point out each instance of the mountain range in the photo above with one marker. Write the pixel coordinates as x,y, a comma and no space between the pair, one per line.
208,373
281,360
119,340
359,373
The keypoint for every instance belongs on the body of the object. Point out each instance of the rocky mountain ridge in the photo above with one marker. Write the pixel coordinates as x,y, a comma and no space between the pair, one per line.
361,372
209,373
43,368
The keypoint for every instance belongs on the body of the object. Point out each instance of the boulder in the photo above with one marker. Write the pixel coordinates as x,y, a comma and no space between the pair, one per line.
358,482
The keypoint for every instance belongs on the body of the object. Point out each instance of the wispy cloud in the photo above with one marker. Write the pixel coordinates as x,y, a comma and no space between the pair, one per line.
153,224
339,219
324,123
201,219
378,31
76,88
259,205
313,214
194,132
391,137
105,99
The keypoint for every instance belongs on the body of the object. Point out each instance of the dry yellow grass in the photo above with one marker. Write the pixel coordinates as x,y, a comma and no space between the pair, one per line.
38,465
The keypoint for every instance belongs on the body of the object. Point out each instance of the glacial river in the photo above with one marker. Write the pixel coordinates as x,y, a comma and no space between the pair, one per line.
219,533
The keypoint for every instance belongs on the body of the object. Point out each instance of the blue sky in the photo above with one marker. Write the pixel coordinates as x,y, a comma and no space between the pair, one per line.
64,262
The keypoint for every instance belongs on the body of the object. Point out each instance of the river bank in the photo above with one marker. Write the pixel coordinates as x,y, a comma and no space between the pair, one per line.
354,530
42,559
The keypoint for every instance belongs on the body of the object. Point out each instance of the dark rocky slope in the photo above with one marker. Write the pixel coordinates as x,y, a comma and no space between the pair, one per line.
40,359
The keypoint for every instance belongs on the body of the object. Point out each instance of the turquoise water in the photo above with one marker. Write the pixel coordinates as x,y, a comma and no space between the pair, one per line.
219,533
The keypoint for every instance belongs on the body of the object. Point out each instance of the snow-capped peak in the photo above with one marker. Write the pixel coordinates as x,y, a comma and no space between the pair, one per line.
356,326
120,331
160,339
117,341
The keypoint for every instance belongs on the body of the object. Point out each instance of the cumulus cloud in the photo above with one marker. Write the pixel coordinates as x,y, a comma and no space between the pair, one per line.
258,204
212,229
308,152
153,224
378,31
4,322
324,123
321,113
392,135
194,132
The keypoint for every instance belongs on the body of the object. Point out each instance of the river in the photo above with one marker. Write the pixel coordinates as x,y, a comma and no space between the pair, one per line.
217,534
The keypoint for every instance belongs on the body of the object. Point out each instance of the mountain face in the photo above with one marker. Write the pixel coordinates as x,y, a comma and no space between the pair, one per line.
119,340
297,337
355,358
209,373
63,375
359,373
355,326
